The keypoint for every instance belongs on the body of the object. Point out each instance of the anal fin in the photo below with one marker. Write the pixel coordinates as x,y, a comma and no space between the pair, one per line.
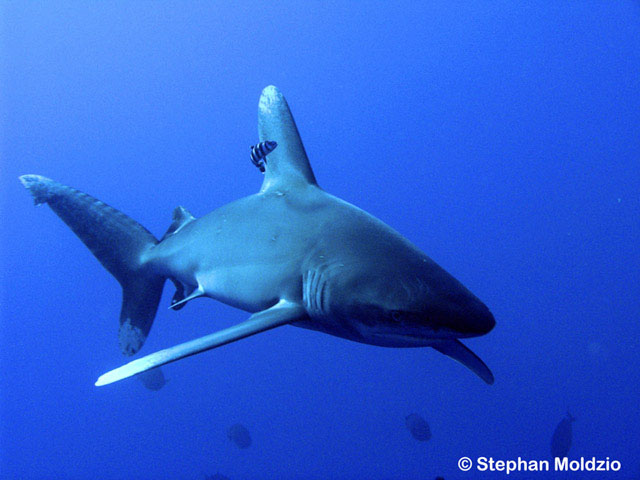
459,352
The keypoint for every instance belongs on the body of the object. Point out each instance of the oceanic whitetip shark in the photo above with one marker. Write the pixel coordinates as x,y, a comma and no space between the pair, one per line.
291,254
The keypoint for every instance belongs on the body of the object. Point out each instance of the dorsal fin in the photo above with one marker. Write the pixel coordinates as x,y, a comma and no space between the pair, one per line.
288,164
181,216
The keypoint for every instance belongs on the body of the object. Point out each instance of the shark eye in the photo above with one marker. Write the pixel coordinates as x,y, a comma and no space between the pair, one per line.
396,316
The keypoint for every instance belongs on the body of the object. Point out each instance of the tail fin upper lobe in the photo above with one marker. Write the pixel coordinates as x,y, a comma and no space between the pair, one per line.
117,242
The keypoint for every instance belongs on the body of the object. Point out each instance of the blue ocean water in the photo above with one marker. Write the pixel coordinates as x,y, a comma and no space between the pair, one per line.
502,138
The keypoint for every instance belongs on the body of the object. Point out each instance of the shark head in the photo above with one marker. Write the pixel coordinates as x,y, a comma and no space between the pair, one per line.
410,305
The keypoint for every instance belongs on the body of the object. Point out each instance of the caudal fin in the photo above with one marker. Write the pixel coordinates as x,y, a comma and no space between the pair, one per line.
118,242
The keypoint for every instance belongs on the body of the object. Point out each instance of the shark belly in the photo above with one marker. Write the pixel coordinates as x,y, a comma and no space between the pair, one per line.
246,254
249,287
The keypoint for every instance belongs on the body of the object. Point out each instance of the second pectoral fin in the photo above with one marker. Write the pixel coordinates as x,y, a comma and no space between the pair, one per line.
280,314
459,352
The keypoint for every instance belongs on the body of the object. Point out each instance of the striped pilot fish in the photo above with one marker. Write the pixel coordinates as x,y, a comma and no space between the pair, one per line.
259,153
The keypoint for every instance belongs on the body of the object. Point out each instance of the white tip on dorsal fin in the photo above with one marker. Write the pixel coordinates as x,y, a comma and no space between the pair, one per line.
288,164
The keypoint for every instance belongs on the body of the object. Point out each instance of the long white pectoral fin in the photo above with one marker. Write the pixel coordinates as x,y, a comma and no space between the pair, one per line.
456,350
280,314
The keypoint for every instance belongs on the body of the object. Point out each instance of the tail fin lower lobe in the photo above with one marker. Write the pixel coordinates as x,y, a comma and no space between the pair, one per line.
118,242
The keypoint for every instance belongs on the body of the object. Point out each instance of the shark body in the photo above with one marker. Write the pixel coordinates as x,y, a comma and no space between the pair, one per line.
290,254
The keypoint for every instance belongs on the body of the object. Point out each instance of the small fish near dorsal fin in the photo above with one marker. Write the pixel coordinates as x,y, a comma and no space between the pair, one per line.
288,164
181,216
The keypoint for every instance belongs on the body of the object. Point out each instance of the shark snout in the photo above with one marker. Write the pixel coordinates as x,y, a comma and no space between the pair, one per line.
461,314
482,321
474,319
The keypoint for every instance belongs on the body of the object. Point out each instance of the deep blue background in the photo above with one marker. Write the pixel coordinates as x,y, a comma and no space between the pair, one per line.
503,138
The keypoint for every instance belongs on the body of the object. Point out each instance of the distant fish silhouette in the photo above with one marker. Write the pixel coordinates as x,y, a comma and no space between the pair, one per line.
239,435
216,476
561,439
259,153
418,427
152,379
